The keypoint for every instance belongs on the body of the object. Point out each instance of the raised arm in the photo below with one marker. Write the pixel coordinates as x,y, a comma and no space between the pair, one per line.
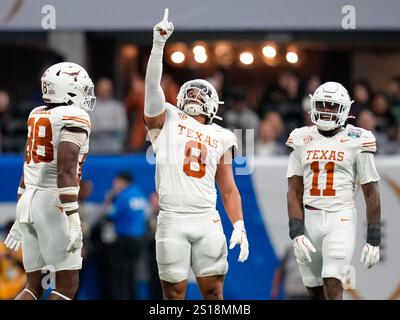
154,100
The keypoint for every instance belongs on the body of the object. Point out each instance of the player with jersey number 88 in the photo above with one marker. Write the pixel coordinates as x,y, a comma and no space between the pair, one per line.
47,222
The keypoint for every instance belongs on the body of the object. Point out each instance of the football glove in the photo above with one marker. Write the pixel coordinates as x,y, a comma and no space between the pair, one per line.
239,237
75,233
163,30
369,256
13,240
302,247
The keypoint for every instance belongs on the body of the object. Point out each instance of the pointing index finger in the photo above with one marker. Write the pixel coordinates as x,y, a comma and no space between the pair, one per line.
166,13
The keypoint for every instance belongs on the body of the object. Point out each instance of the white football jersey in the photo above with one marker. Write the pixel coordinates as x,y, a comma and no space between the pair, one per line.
332,167
187,154
44,127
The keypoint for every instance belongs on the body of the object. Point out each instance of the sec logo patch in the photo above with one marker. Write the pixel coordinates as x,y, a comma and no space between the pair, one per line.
307,139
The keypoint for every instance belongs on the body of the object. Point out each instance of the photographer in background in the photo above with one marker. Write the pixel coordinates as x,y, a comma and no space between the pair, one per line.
128,215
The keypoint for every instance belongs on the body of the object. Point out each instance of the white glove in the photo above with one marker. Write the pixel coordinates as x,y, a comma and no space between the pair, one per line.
75,232
239,237
163,30
369,255
13,240
302,247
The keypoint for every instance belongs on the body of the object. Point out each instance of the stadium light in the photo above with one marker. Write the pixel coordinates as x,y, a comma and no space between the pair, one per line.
269,51
292,57
246,57
201,57
129,51
199,49
224,53
177,54
178,57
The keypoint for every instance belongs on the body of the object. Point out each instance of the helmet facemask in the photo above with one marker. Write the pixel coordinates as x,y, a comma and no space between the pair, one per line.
198,97
328,115
330,106
86,99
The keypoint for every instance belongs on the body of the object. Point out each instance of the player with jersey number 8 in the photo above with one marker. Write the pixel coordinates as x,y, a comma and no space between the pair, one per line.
191,153
327,162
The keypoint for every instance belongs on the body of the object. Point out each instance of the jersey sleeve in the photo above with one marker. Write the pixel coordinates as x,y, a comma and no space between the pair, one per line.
171,112
229,141
77,118
291,141
368,142
366,170
294,167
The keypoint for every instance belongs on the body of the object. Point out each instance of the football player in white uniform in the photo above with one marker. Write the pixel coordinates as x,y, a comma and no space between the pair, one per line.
191,153
327,162
47,221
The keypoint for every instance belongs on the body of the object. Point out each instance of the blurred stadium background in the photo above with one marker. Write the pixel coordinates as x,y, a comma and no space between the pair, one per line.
264,58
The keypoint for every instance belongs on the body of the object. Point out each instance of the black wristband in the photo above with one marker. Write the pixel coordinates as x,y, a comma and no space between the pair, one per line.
374,234
296,227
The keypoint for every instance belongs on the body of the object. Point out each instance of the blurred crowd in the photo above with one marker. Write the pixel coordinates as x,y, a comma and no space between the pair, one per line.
274,111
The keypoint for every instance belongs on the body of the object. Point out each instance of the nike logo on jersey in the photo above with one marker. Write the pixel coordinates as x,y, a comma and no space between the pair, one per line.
344,140
344,219
216,220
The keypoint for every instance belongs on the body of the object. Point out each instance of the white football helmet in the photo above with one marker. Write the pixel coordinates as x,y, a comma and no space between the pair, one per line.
330,94
197,97
68,82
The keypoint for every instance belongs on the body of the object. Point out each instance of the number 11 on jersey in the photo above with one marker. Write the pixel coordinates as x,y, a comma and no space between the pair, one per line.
328,191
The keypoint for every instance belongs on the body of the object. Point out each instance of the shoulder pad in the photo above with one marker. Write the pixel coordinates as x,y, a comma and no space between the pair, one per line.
299,136
72,116
366,139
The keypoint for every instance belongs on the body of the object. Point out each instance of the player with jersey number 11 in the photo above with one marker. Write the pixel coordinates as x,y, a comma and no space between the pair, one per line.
327,162
47,223
191,153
